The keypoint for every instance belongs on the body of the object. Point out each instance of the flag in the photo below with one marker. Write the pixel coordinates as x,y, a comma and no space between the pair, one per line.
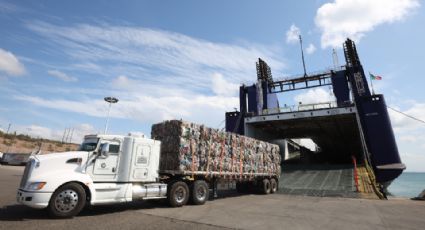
375,77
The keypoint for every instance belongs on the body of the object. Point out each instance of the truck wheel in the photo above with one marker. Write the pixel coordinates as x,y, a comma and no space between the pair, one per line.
178,194
265,186
67,201
273,185
199,192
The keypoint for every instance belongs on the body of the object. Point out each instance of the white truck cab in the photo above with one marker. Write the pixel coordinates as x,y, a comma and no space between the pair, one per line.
106,169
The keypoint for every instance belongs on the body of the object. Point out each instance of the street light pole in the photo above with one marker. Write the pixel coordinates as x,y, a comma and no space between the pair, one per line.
110,100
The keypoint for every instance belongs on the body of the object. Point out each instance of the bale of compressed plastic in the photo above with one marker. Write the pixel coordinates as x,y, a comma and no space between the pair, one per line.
189,147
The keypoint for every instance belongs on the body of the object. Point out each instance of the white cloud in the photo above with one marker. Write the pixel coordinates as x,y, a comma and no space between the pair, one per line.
149,108
8,8
61,75
93,107
313,96
402,123
409,138
10,64
75,134
310,49
40,131
123,81
155,55
222,87
354,18
292,35
79,131
156,74
410,134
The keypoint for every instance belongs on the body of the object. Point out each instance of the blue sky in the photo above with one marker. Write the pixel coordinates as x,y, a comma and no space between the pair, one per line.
185,59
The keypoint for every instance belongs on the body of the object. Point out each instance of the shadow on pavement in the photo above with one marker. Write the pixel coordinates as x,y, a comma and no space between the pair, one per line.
18,212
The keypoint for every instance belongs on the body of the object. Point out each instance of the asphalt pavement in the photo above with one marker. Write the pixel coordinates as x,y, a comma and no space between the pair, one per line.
230,211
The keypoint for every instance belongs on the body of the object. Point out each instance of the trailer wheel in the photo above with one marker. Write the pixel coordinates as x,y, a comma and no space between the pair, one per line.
67,201
199,192
265,186
178,194
273,185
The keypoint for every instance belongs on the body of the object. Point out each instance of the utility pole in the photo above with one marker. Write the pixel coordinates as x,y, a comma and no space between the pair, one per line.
63,136
70,138
8,128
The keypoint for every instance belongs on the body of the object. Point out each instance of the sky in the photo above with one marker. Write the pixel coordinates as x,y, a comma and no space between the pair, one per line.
185,60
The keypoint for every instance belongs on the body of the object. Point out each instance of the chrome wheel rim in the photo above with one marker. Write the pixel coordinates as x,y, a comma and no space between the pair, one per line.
274,187
200,193
66,201
180,194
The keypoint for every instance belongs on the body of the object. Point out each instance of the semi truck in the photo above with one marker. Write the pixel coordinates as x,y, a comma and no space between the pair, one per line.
123,168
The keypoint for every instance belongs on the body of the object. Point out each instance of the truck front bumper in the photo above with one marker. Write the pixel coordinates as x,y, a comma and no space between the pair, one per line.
33,199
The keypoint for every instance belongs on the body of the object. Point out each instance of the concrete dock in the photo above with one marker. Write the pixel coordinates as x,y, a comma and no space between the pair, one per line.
234,211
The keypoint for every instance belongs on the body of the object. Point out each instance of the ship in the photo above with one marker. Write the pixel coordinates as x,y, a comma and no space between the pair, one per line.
355,129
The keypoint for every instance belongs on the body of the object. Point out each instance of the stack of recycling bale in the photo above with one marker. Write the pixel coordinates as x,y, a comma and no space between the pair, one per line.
191,147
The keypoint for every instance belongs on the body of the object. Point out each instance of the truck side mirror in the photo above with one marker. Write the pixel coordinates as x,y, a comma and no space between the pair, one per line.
104,151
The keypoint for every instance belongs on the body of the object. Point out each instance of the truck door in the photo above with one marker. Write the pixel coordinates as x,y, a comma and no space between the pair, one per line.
107,168
141,163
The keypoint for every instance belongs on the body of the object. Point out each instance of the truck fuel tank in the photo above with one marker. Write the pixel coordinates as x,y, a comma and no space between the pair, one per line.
149,191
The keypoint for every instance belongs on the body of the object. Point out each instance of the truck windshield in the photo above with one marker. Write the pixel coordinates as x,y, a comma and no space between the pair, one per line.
89,145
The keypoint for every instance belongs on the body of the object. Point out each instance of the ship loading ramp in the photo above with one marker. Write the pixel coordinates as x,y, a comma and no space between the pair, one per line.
356,145
327,172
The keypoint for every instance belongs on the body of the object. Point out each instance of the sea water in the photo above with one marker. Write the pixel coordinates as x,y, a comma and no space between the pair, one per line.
408,184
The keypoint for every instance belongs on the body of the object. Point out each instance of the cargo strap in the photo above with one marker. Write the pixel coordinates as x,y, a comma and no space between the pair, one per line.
252,171
193,157
233,157
222,154
208,157
241,157
269,165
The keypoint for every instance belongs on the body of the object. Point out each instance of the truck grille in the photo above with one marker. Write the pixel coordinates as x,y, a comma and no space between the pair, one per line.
27,172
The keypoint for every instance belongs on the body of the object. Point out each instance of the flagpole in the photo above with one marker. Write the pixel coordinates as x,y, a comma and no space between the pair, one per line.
371,83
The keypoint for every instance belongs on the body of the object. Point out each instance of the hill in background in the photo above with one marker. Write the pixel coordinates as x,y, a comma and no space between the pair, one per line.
20,143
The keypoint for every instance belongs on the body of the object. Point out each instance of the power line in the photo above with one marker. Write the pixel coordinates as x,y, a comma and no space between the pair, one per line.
219,125
407,115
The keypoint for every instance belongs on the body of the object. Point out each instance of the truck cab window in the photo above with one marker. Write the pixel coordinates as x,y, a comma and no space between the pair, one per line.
114,148
89,145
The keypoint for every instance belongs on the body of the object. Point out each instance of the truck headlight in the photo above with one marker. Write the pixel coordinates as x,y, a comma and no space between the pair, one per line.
36,185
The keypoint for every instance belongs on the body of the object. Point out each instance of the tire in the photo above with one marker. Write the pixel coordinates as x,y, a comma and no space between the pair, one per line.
178,194
273,185
265,186
199,192
67,201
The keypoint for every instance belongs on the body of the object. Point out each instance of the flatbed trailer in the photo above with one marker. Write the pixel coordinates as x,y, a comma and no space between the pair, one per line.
177,167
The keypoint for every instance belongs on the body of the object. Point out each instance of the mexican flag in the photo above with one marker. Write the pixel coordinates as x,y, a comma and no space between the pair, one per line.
375,77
